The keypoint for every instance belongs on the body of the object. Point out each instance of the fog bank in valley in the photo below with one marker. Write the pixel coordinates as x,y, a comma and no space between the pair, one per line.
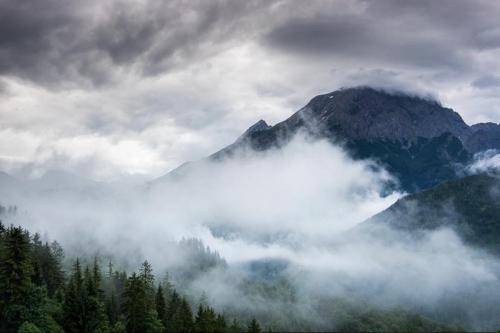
284,215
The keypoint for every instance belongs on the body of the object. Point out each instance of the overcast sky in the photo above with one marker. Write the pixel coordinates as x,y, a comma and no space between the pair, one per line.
107,89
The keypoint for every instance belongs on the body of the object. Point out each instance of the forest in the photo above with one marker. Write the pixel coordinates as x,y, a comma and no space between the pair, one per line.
37,295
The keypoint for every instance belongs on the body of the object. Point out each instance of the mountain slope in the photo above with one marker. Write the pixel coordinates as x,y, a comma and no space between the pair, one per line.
470,206
417,140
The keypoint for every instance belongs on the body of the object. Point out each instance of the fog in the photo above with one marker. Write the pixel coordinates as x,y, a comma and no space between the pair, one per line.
486,161
290,214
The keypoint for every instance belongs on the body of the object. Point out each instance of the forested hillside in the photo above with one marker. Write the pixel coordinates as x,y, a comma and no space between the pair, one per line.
470,206
37,294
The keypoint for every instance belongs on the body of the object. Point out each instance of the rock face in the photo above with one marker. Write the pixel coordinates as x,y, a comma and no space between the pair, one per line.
366,114
419,141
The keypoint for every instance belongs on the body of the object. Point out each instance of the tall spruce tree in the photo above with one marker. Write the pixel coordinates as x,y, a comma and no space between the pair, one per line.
15,278
173,304
74,313
161,306
253,326
220,324
94,300
139,311
182,320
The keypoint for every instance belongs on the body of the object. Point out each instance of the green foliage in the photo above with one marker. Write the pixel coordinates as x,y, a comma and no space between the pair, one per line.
15,278
183,317
24,304
15,266
161,305
47,265
206,320
28,327
83,308
139,306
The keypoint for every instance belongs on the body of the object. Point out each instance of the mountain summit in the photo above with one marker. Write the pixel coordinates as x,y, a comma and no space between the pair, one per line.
372,115
416,139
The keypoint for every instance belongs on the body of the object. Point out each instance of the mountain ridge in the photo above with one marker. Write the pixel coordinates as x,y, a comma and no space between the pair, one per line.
417,140
470,206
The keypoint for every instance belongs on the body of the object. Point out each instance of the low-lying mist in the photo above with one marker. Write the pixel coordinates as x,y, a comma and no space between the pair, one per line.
287,218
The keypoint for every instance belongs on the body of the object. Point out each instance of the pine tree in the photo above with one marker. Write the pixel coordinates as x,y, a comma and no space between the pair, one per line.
173,305
94,300
112,308
167,286
16,266
183,318
15,277
161,306
134,304
140,313
199,321
74,306
254,326
220,324
47,266
146,274
97,280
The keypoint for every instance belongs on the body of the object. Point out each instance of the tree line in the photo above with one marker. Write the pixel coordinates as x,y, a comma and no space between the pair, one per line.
37,295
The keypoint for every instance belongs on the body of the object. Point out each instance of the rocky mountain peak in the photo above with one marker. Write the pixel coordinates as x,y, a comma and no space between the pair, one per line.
261,125
366,113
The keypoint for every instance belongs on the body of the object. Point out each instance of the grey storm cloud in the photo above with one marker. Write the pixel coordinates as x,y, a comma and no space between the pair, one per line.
424,34
87,84
50,41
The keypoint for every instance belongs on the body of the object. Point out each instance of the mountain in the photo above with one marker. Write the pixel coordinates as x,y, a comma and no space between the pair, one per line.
417,140
484,136
470,206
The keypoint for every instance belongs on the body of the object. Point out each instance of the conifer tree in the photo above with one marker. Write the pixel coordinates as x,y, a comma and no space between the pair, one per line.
253,326
134,304
199,321
15,277
146,274
140,313
94,300
220,324
173,305
15,266
112,308
73,307
161,306
183,318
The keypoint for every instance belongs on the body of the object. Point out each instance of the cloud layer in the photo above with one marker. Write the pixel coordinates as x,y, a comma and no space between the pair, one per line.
173,81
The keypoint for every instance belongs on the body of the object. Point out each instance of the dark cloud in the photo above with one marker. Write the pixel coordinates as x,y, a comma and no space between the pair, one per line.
422,34
92,42
53,42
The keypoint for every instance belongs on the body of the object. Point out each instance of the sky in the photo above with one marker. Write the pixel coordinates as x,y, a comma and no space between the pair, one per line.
120,88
